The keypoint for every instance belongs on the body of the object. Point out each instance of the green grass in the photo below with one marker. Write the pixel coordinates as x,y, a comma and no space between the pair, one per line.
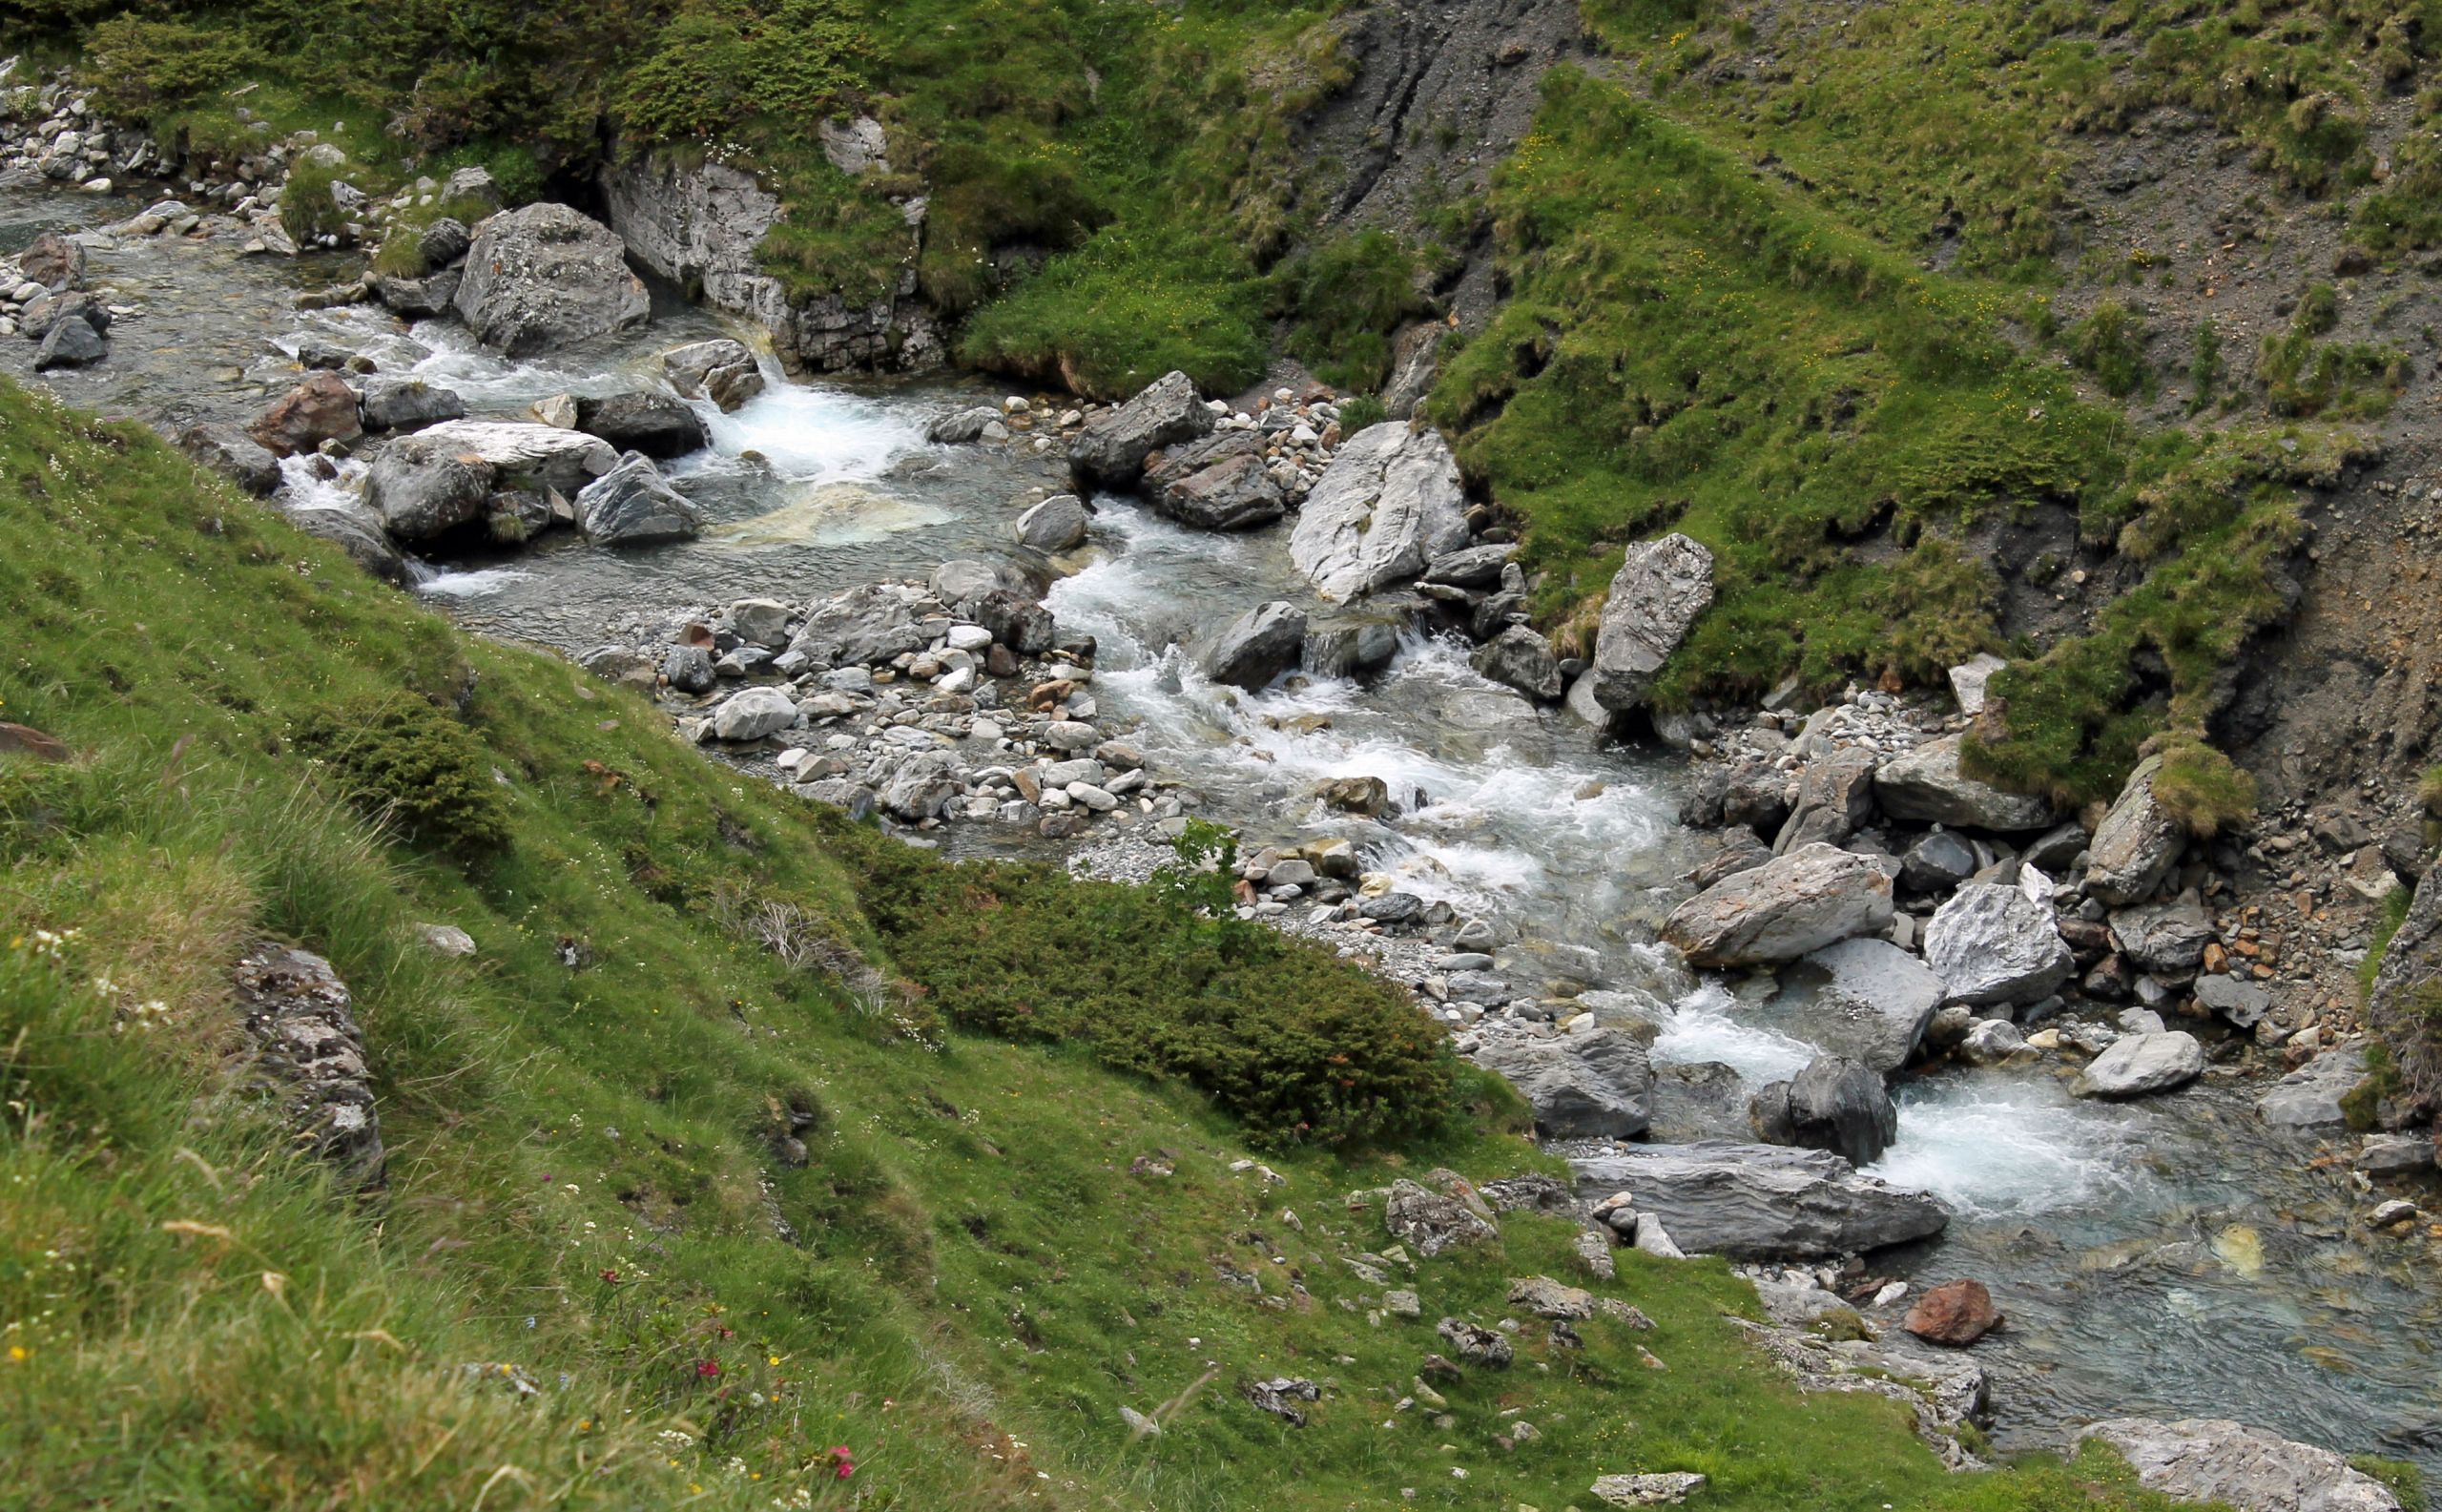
589,1179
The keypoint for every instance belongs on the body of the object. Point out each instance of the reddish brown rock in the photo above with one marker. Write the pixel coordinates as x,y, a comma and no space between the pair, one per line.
321,409
1956,1313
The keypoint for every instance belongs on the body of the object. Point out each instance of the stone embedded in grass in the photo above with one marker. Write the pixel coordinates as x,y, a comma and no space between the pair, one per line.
1645,1490
2216,1460
1476,1346
310,1054
1432,1222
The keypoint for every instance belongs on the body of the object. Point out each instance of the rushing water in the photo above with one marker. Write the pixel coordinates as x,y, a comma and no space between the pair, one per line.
2172,1256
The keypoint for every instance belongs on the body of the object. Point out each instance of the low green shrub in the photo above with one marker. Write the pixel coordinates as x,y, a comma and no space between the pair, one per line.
403,762
307,209
720,62
2203,789
1344,298
139,66
1156,982
2110,344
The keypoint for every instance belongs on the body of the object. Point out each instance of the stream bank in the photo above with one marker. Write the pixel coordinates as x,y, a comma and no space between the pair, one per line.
2164,1256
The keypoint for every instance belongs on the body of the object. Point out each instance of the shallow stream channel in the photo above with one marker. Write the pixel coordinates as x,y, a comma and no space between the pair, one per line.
2171,1257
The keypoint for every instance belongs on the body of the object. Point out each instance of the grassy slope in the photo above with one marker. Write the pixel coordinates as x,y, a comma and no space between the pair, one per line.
582,1184
1726,318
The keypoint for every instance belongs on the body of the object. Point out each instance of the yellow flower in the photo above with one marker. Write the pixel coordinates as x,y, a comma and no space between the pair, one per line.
18,1354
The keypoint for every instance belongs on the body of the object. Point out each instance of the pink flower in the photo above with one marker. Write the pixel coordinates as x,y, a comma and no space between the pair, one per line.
706,1369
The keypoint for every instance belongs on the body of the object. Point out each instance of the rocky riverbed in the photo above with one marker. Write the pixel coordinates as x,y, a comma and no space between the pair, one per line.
1931,1030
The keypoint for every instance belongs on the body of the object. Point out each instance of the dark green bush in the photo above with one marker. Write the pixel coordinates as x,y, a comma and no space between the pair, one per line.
720,62
2110,344
405,763
1346,298
307,209
1280,1034
139,66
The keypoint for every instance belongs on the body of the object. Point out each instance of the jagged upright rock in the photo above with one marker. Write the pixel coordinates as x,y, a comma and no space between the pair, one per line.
1389,502
1654,600
545,277
1110,451
321,409
1596,1085
308,1052
1835,1103
1991,943
631,506
1873,1000
2136,844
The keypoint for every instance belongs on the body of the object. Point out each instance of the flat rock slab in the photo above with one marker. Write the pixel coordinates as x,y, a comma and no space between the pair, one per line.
2139,1064
1927,786
1813,897
2309,1096
1762,1201
1873,1000
2215,1460
1389,502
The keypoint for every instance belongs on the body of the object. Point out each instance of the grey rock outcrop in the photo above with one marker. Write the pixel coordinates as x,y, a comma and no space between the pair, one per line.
1873,1001
1926,785
1596,1085
545,277
1834,800
2216,1460
631,506
70,343
418,299
1991,943
1256,647
356,530
1654,600
2137,843
1110,451
753,712
699,224
308,1052
2139,1064
1815,896
1762,1201
1389,502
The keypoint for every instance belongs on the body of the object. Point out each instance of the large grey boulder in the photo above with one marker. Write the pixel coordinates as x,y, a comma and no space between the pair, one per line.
659,426
1596,1085
307,1050
1110,451
1873,1000
1058,524
2309,1096
2139,1065
1654,600
754,712
1256,647
1991,943
1016,620
1835,1103
2167,938
1925,785
721,370
1762,1201
394,402
1389,502
53,261
2136,844
2242,1002
631,506
519,451
321,409
1815,896
545,277
421,487
868,623
1520,659
2216,1460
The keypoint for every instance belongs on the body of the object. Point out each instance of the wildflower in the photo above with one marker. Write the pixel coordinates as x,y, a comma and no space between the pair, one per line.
708,1368
610,1277
18,1354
